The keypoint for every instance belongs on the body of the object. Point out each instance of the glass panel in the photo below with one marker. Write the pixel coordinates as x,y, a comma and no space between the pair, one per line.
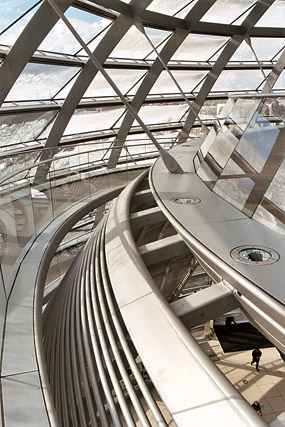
231,9
134,45
152,114
235,191
11,249
3,299
266,48
187,81
17,128
208,142
124,80
257,142
241,114
12,163
223,146
38,81
232,169
275,192
238,80
280,84
88,120
274,16
167,7
198,48
60,38
9,13
12,10
183,13
262,215
243,53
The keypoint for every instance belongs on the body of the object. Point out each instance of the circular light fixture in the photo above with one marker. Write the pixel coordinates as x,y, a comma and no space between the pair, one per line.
254,255
185,200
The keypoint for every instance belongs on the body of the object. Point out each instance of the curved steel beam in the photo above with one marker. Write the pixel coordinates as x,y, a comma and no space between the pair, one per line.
170,163
89,71
160,21
39,26
259,9
166,53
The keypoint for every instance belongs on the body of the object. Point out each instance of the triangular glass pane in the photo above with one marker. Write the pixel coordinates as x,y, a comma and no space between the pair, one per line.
274,16
183,13
132,46
226,11
12,10
10,14
168,7
187,80
198,48
266,48
124,80
243,53
280,84
60,39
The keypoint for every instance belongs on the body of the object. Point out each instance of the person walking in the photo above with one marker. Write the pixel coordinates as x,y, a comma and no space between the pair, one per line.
256,355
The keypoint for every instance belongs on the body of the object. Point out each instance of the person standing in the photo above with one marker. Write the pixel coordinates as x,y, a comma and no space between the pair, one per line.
256,355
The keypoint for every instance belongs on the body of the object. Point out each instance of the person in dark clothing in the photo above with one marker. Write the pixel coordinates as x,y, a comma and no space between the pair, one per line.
230,320
256,355
257,407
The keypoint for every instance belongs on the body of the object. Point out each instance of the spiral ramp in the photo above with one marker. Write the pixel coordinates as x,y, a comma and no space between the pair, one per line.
116,352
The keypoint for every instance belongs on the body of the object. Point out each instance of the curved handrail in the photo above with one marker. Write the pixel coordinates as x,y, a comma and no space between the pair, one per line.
70,155
161,339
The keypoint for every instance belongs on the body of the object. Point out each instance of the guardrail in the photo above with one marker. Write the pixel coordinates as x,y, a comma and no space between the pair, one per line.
27,208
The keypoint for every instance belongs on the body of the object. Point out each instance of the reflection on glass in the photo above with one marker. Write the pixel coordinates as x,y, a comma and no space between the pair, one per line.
208,142
242,113
235,191
206,174
257,142
266,218
232,169
223,146
275,192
